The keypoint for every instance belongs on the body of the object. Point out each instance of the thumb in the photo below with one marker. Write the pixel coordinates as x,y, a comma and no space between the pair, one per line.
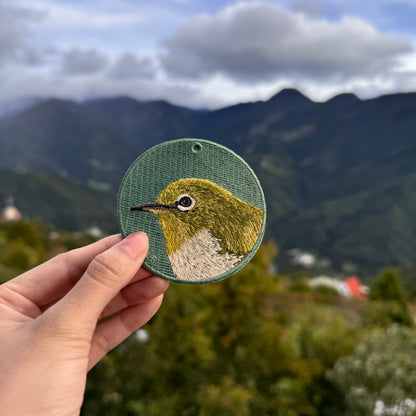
105,276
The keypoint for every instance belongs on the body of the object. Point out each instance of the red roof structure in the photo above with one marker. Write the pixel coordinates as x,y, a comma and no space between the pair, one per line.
355,287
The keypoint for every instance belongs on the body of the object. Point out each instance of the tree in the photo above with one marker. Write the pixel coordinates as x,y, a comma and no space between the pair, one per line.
243,346
25,244
389,301
217,348
381,369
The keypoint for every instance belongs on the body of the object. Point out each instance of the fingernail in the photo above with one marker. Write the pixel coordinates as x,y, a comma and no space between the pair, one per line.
134,244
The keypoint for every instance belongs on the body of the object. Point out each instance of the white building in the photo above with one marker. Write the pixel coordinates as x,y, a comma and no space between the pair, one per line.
10,212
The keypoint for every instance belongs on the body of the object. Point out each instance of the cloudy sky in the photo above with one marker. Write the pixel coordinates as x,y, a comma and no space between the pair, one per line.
205,54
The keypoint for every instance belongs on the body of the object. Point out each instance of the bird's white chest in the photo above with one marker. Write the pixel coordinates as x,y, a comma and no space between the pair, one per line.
200,258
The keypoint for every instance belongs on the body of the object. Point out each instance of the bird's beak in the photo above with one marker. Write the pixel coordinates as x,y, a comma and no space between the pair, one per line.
150,206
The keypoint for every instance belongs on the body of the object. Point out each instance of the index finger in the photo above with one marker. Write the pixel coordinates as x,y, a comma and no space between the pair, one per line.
51,280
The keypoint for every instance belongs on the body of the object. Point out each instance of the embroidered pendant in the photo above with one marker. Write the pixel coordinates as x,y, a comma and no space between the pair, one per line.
201,206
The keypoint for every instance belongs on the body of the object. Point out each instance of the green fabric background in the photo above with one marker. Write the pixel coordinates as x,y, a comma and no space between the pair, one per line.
168,162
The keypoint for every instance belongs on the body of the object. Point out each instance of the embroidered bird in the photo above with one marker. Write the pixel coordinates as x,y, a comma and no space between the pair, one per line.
207,229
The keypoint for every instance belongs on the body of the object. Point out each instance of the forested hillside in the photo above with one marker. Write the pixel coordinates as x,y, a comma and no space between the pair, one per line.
339,176
256,343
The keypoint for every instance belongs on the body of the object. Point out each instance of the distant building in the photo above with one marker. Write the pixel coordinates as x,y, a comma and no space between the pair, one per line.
355,288
142,335
10,213
330,282
95,232
302,258
350,287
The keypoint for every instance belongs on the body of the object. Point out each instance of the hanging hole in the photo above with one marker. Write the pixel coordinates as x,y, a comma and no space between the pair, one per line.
196,147
151,259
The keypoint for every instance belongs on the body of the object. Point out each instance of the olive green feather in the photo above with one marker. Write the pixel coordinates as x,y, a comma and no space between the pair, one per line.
234,223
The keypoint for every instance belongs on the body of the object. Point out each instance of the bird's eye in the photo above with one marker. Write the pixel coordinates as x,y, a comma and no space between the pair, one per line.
185,202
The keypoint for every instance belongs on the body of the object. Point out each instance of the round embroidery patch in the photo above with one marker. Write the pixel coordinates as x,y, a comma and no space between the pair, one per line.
201,206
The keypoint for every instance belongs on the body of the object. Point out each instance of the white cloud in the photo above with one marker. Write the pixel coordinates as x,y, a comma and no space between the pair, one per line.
247,51
45,83
252,42
80,62
307,7
128,67
15,24
61,15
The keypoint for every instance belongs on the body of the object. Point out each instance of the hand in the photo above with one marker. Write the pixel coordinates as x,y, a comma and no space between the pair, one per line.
49,337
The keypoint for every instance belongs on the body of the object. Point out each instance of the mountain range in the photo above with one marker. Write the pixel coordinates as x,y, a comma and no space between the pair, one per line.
339,176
